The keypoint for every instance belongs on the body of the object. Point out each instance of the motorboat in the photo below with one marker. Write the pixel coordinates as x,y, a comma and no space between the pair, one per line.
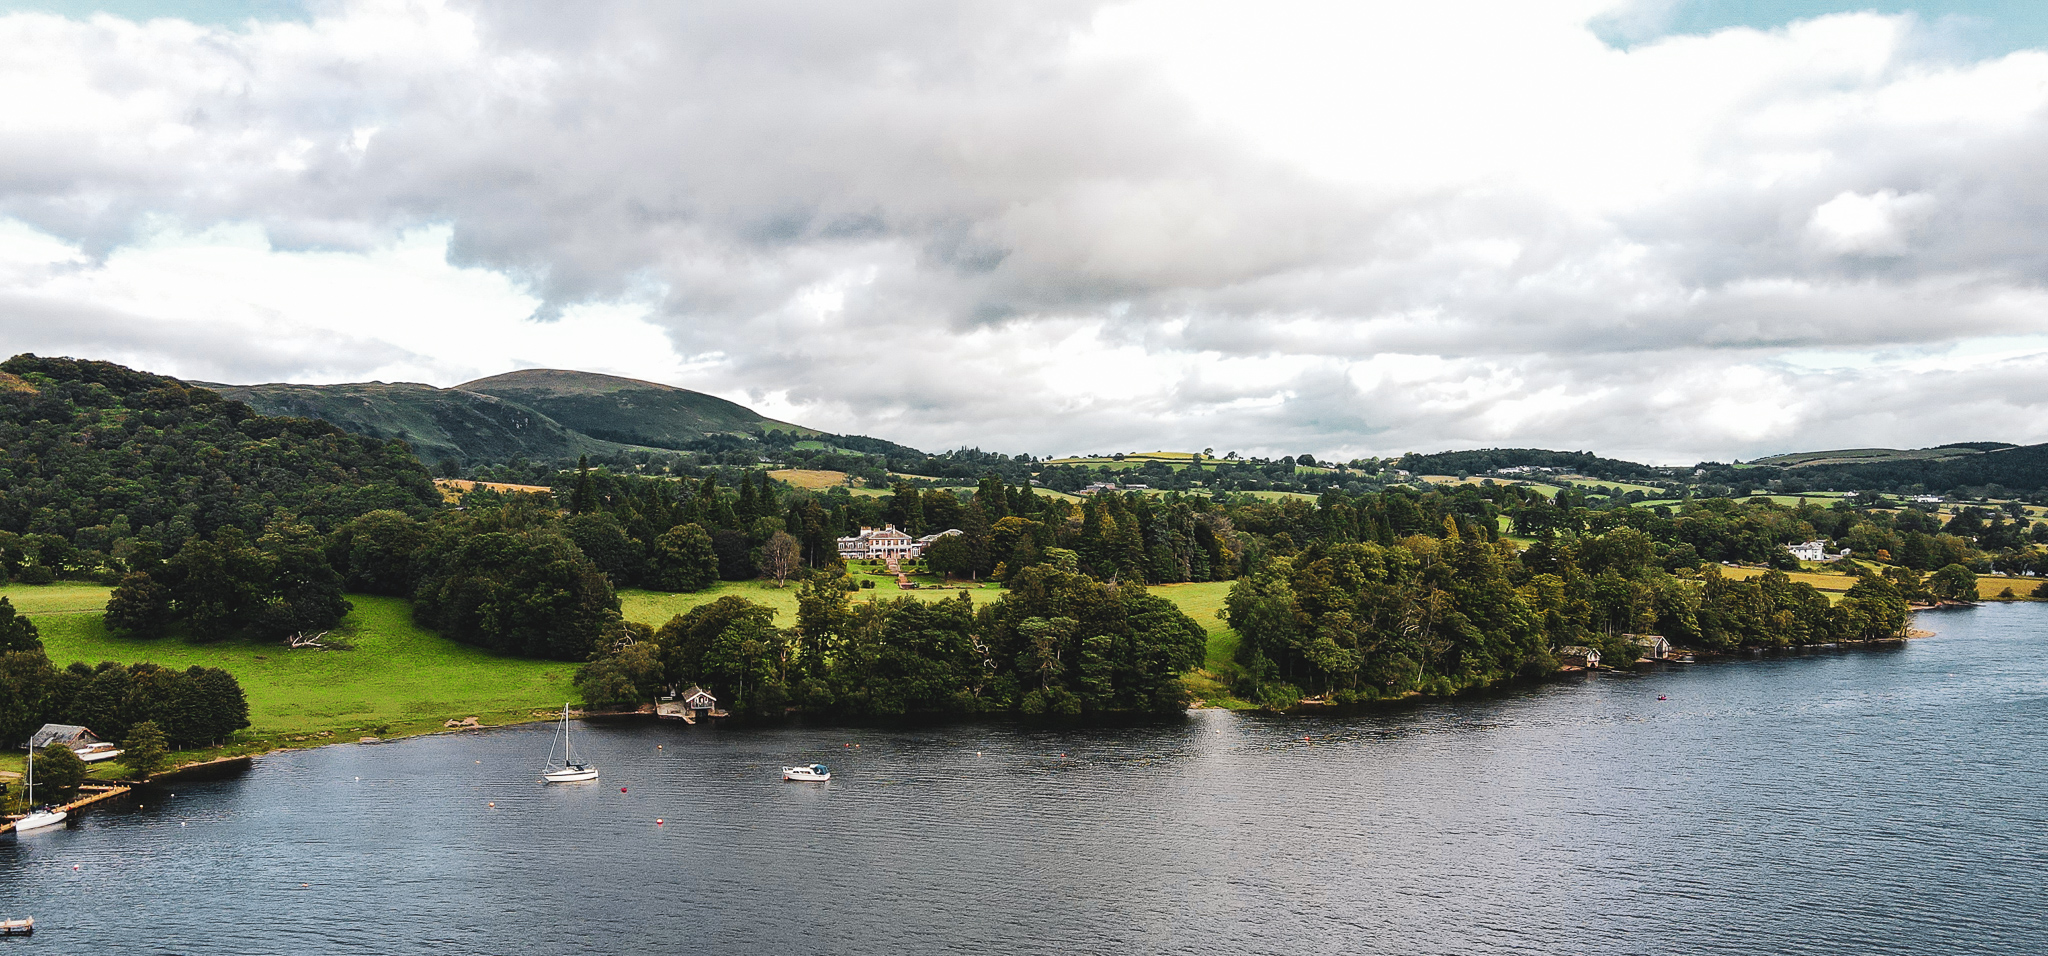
571,770
94,753
816,772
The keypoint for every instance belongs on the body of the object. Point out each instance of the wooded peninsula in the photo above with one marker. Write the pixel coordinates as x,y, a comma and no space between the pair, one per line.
211,524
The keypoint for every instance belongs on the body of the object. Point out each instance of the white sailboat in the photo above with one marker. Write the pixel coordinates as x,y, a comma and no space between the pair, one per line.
38,817
570,771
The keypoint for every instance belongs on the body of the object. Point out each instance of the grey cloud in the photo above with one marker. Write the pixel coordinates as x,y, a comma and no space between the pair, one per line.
957,172
220,353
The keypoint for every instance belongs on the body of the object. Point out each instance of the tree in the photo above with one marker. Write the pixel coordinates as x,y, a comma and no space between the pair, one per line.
17,633
25,681
950,556
584,499
1953,583
139,607
59,771
510,580
781,557
144,750
374,552
684,559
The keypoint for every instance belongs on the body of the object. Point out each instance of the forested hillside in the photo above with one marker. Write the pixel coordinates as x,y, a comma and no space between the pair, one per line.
627,411
441,424
96,459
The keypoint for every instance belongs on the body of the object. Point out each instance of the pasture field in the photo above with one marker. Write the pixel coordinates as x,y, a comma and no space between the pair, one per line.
814,480
1210,683
454,488
399,678
63,597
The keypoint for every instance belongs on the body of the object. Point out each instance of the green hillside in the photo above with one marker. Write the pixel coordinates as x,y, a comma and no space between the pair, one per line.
624,410
439,423
535,414
1860,456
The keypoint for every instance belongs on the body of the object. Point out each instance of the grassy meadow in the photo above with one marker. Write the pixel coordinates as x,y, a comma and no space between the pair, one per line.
399,677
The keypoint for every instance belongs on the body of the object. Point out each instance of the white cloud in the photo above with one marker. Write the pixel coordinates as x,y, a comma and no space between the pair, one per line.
1297,226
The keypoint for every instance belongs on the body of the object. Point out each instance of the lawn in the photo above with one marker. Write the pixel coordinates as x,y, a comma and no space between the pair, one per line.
1210,683
656,607
64,597
398,676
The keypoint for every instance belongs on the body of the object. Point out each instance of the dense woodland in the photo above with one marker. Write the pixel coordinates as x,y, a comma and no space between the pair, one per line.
217,524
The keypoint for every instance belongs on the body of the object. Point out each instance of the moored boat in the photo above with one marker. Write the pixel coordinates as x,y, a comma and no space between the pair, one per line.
571,770
94,753
809,773
18,927
39,818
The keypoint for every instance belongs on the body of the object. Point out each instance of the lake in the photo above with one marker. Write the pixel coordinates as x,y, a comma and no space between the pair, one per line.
1851,801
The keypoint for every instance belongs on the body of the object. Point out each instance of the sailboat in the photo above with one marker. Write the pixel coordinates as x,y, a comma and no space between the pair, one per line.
570,771
38,817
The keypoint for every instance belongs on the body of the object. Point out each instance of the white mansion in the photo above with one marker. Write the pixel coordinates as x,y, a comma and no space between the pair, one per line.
887,542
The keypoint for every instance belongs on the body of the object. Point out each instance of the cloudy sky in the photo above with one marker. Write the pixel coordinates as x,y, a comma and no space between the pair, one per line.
1665,229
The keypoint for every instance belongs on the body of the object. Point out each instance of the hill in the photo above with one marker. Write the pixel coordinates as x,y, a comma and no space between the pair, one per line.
537,414
627,411
1864,456
439,423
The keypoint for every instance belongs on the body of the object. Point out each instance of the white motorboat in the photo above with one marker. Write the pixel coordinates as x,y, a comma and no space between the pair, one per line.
38,817
570,771
94,753
816,772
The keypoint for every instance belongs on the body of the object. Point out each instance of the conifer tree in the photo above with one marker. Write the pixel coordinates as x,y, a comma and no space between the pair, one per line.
584,498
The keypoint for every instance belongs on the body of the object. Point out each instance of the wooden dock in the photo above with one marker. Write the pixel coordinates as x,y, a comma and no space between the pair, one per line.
89,794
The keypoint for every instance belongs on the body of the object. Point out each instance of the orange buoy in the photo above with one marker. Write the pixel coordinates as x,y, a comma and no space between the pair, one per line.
657,821
492,806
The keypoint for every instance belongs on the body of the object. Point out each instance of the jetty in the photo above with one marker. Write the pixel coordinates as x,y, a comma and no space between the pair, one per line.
88,795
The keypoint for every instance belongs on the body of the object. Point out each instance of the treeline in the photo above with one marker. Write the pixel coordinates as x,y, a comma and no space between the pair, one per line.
98,461
192,708
1491,459
1443,613
1057,643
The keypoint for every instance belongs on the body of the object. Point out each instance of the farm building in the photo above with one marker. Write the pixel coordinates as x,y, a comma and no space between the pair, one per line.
70,735
1577,656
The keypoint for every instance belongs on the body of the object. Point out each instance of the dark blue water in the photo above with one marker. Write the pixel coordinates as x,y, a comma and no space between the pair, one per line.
1866,801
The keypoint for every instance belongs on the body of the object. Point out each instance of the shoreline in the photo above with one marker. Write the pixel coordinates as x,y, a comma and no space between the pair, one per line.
318,739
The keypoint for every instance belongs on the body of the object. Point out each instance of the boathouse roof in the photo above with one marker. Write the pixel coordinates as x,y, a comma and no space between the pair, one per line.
67,734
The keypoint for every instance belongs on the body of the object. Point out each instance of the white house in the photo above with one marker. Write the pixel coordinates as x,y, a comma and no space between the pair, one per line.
1928,499
887,542
1810,551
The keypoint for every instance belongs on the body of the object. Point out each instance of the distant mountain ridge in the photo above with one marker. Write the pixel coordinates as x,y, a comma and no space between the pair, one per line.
536,414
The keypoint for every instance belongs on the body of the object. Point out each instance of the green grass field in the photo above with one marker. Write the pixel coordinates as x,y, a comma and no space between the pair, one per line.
400,676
